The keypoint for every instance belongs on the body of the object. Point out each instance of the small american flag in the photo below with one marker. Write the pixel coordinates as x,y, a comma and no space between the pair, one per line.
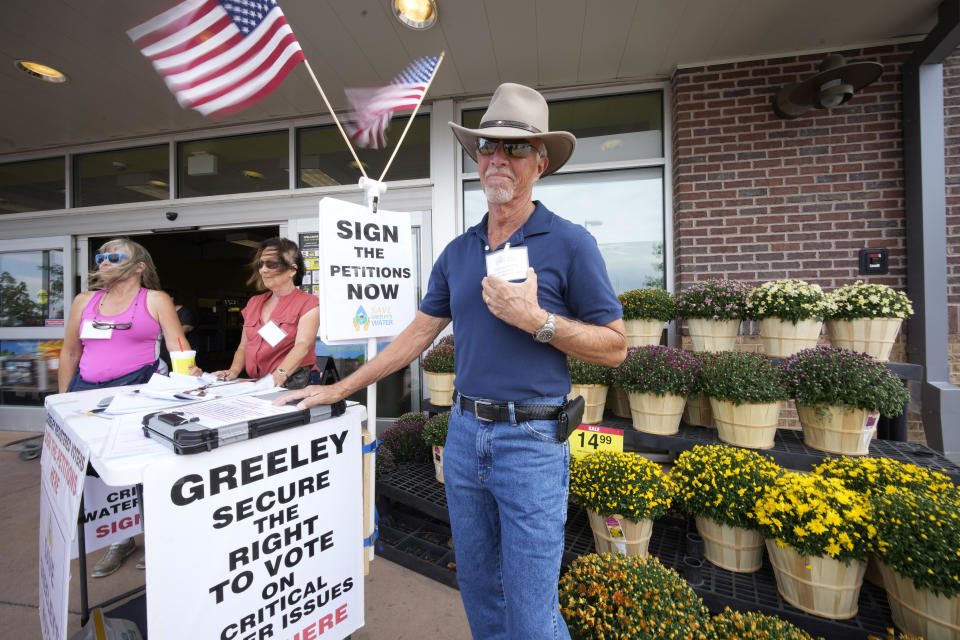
368,124
220,56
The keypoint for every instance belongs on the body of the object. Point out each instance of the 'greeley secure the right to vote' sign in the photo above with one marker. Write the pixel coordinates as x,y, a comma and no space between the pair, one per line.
366,272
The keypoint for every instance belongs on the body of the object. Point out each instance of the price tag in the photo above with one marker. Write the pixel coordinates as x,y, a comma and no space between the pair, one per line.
590,438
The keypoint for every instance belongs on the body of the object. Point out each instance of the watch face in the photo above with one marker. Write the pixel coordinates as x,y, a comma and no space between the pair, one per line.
544,335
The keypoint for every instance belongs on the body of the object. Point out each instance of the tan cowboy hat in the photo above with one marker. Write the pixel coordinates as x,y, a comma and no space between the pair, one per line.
518,112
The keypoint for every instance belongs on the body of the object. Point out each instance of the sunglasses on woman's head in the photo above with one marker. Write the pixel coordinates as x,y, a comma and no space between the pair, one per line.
114,258
513,148
271,265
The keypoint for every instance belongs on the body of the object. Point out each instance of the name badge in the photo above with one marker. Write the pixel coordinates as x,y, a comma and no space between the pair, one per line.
89,332
272,333
510,263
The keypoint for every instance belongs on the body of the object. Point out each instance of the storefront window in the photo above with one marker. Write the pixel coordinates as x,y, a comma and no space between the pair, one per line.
323,158
122,175
238,164
613,184
622,209
31,288
35,185
616,128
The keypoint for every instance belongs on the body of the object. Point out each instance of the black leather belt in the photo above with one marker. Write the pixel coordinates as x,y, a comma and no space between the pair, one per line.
490,412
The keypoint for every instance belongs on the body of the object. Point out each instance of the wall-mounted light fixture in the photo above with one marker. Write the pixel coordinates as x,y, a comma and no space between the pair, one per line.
416,14
835,83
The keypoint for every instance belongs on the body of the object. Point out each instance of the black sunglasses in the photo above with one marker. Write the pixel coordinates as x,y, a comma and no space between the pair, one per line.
513,148
272,265
114,258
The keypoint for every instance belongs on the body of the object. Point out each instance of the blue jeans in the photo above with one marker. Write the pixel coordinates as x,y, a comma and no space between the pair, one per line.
506,488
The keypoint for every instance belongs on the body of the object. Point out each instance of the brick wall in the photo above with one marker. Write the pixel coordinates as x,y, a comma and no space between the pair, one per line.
951,100
757,197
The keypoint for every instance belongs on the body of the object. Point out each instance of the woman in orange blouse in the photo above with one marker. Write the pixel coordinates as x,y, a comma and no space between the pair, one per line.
279,326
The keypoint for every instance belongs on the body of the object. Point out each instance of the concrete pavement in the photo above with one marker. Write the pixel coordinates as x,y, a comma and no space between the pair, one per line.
400,604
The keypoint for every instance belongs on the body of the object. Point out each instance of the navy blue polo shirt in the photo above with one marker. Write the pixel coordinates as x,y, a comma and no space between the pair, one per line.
496,360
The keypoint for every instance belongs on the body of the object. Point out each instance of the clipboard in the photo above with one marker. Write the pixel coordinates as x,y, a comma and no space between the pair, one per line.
192,429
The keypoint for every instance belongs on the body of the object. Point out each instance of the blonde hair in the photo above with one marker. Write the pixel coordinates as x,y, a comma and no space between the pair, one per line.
148,278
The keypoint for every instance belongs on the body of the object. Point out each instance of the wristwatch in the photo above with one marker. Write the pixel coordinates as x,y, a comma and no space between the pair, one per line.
283,372
545,333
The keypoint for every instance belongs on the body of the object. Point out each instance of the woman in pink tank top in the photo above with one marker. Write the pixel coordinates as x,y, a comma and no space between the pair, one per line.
111,336
112,331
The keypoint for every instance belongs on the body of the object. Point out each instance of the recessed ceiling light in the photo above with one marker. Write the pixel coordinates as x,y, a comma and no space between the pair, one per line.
40,71
158,183
416,14
353,163
250,173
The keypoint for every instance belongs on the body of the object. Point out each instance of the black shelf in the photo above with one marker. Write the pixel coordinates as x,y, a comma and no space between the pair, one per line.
788,448
419,542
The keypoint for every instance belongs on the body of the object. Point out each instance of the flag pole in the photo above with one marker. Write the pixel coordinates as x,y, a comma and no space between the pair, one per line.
412,116
346,138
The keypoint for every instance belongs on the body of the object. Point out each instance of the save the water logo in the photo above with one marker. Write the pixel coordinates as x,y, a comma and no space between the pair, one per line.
361,319
381,316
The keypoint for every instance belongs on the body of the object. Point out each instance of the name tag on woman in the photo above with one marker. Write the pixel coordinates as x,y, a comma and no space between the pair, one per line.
510,263
90,332
272,333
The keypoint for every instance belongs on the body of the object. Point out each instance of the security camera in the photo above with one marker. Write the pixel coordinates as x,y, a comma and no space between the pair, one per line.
172,215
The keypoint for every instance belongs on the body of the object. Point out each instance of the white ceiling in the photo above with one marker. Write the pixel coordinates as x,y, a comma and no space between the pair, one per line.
114,94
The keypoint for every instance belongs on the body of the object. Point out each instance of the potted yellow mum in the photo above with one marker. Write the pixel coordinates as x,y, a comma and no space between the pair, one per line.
718,485
918,543
818,534
622,493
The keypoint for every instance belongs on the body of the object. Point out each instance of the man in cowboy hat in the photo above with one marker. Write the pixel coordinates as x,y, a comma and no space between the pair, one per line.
524,289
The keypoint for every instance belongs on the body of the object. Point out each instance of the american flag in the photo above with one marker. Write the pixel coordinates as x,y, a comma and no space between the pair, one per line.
220,56
372,107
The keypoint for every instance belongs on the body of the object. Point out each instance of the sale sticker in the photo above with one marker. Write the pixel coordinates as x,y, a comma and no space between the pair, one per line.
590,438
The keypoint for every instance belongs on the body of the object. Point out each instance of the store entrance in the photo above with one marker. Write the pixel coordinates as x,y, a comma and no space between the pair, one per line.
207,272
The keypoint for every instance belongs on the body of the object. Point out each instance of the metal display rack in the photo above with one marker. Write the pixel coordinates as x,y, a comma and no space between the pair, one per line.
421,542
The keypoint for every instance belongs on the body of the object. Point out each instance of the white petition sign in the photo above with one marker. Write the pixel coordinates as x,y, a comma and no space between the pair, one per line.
366,272
258,539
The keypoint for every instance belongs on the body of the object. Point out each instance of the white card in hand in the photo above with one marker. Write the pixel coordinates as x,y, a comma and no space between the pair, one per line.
272,333
510,263
89,332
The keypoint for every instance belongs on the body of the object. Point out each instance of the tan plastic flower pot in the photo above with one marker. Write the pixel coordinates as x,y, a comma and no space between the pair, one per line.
438,463
920,612
873,336
751,425
698,412
713,335
642,332
782,338
731,548
440,386
839,429
619,535
656,414
819,585
594,398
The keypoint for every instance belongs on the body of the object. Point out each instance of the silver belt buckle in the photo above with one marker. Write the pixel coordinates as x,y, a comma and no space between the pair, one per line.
476,409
